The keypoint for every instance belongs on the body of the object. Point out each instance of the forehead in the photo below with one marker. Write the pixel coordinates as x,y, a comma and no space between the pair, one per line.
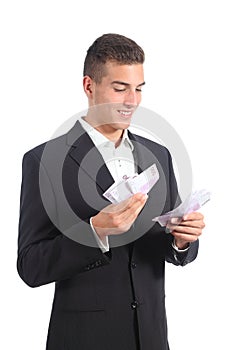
129,73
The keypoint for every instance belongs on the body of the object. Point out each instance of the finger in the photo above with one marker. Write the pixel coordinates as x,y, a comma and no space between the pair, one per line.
176,221
126,204
193,216
136,198
173,223
185,237
122,222
121,217
188,230
132,211
194,223
134,202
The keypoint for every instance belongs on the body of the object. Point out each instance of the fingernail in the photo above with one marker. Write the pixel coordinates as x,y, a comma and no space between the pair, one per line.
174,220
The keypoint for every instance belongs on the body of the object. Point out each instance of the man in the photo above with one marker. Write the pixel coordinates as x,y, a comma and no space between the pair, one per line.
107,260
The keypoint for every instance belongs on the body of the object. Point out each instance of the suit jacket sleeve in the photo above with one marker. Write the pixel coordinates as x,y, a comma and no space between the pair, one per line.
44,254
173,256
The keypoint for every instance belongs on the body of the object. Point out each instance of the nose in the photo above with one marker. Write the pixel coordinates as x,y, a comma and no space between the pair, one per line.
131,99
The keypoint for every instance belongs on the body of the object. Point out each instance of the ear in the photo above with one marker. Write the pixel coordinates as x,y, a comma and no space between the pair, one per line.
88,86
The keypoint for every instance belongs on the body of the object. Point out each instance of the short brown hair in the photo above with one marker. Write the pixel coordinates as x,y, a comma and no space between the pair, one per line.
111,47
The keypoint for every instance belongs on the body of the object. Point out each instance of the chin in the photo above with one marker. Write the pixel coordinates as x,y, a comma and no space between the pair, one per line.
120,125
120,122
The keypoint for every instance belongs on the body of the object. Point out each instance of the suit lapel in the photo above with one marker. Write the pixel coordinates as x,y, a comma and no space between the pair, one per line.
142,156
87,156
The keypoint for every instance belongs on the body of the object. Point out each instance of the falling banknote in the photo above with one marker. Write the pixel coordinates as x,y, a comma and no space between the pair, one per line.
194,202
126,188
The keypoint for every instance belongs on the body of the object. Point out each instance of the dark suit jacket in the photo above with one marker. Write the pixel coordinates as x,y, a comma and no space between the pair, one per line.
112,301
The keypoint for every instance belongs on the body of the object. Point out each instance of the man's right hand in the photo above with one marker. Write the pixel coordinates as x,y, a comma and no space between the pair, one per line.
118,218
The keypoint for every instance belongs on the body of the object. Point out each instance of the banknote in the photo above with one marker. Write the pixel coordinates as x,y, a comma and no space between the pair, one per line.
144,181
118,192
127,187
192,203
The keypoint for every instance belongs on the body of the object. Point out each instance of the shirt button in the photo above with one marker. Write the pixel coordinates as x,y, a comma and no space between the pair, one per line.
133,265
134,304
98,263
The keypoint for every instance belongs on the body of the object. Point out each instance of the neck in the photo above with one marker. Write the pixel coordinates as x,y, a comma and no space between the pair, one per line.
108,130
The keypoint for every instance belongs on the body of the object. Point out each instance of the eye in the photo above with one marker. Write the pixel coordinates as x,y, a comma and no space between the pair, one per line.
139,90
119,90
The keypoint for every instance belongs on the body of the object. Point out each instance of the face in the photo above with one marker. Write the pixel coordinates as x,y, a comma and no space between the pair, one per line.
113,101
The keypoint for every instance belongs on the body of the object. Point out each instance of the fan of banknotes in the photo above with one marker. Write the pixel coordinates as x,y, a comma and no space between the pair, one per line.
192,203
128,186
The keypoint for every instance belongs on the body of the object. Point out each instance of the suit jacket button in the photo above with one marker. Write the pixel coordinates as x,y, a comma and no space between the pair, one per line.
134,304
133,265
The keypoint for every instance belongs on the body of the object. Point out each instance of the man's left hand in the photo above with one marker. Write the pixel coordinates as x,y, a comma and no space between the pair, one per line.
188,230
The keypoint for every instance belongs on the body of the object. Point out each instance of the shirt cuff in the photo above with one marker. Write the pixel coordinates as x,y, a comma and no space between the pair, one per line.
177,249
103,244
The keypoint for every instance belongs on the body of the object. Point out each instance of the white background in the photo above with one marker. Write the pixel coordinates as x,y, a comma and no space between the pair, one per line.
189,81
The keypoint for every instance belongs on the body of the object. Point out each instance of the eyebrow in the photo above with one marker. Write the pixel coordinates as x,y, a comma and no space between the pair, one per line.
124,83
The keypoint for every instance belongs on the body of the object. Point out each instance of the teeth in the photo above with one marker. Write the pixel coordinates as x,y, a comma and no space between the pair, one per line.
125,113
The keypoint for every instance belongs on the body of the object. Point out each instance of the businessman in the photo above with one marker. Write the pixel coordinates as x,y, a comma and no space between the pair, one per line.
107,260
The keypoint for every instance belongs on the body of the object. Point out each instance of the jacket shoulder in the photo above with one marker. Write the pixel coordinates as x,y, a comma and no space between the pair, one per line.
150,144
38,150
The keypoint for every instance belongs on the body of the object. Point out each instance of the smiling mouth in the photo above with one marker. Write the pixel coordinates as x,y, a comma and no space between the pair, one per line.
125,114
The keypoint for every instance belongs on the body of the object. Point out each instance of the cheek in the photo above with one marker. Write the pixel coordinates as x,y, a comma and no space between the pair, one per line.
107,97
139,98
114,97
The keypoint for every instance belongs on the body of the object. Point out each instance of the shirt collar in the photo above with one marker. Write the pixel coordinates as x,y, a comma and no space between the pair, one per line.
99,139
